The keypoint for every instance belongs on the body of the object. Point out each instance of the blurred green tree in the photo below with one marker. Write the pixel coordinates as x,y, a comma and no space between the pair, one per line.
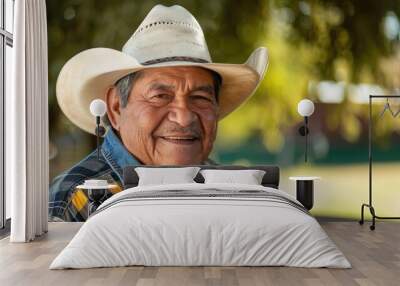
308,40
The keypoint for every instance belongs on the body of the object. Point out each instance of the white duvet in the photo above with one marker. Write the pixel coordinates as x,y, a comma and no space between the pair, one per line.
201,224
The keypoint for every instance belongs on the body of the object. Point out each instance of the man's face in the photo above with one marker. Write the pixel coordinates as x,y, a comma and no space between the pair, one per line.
171,116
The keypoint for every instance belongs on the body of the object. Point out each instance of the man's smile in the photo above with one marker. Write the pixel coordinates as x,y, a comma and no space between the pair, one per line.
181,139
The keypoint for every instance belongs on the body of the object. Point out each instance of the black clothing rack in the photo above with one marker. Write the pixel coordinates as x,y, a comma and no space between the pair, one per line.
370,205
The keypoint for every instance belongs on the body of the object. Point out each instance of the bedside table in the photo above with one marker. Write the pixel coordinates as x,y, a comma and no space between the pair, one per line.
96,195
305,190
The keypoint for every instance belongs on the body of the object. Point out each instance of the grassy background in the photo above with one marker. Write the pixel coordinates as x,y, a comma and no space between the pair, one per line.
342,189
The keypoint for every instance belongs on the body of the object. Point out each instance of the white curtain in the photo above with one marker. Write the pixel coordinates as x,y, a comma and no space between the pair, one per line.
27,164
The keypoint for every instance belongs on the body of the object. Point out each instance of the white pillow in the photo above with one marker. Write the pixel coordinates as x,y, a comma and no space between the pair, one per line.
162,176
248,177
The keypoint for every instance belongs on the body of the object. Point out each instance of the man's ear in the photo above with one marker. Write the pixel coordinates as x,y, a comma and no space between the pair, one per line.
113,107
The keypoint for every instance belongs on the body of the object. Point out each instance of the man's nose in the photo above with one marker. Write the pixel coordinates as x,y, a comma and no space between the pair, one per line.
181,113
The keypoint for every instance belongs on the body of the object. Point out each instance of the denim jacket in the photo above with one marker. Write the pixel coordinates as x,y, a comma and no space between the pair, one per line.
68,203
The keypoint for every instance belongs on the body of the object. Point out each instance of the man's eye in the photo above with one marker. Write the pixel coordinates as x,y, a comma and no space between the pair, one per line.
161,96
201,97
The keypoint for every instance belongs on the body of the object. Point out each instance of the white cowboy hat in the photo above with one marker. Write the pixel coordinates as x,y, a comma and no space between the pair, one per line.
168,36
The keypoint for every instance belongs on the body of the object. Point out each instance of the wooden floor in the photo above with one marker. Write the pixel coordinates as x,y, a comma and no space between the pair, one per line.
374,255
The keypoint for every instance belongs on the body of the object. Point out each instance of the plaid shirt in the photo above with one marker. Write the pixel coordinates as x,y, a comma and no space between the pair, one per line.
68,203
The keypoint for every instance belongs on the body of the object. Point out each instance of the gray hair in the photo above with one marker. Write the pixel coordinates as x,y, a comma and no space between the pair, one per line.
124,87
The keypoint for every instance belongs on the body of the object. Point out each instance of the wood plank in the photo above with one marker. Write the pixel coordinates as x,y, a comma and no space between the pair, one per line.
374,255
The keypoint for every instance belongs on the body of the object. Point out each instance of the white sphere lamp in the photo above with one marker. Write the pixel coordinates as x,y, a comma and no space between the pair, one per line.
98,109
305,108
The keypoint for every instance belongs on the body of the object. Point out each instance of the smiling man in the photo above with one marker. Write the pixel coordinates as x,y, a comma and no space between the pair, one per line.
168,116
164,98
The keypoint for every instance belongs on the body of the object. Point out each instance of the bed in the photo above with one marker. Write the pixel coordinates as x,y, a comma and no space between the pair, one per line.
201,224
